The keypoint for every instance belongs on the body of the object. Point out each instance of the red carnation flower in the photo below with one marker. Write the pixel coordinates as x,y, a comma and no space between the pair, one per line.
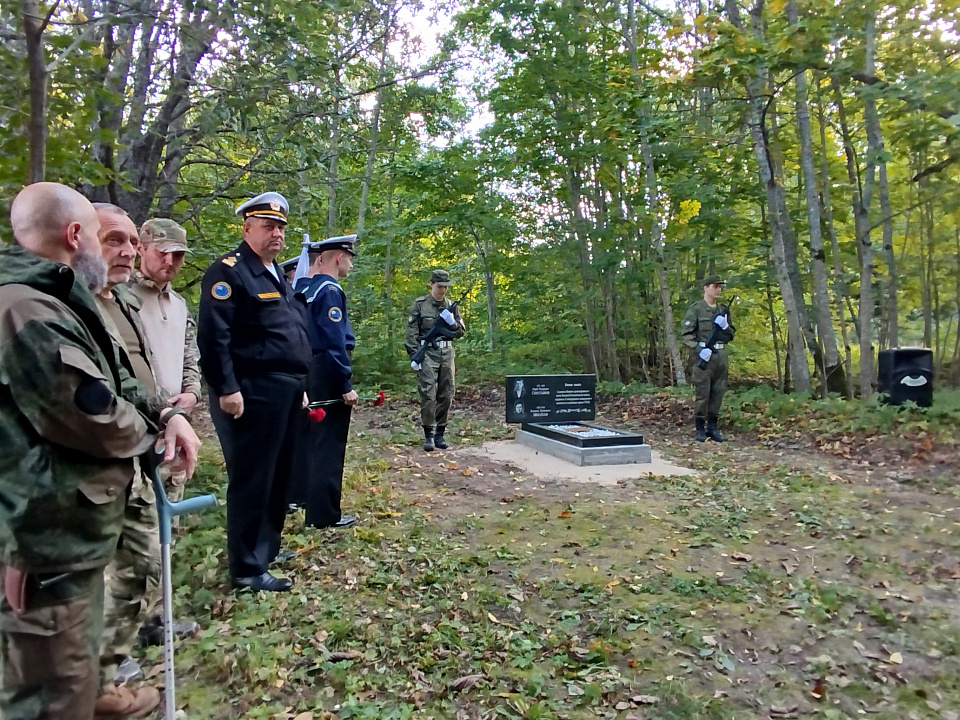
317,414
379,399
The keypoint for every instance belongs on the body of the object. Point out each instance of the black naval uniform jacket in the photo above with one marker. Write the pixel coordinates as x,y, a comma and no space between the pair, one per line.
250,323
253,339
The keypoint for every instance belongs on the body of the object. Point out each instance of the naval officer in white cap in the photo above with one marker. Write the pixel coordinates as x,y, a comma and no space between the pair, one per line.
255,355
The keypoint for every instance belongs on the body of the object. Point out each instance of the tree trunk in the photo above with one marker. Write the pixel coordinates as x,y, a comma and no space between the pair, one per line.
33,26
666,302
756,109
832,369
374,130
862,230
334,162
653,207
839,284
892,307
583,247
875,154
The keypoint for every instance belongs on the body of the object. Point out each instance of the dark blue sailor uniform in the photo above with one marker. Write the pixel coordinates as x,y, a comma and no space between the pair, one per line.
320,484
253,339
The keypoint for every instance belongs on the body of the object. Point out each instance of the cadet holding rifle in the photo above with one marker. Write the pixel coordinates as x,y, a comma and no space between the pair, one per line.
706,331
436,379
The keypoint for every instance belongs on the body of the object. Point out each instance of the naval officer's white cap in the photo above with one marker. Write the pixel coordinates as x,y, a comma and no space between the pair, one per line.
269,205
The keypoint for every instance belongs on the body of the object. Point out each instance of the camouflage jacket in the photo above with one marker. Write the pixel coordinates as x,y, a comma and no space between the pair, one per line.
71,421
423,314
698,324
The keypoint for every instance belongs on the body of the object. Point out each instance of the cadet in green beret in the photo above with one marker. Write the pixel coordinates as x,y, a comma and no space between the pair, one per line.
706,331
436,375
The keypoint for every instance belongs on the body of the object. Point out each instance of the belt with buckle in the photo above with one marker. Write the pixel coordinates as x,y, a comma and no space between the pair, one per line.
439,343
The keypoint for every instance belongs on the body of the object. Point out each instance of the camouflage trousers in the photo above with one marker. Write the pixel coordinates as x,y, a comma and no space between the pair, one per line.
132,580
710,384
48,654
436,383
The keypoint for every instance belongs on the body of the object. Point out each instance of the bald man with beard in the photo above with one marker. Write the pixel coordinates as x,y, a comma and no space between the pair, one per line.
72,420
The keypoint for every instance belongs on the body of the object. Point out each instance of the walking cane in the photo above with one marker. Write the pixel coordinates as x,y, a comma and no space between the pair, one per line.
167,511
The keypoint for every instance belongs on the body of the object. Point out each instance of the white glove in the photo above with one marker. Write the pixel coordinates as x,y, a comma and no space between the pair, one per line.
706,354
448,317
722,322
414,364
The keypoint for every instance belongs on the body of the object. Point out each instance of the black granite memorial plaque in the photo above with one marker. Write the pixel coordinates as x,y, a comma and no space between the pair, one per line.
551,398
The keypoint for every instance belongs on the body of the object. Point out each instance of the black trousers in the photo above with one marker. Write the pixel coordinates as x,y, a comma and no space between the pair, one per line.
320,484
259,449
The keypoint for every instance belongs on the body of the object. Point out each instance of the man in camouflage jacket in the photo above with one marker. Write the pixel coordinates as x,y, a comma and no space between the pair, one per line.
71,422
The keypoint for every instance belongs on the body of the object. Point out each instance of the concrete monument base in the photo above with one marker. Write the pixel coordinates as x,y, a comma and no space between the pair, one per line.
585,444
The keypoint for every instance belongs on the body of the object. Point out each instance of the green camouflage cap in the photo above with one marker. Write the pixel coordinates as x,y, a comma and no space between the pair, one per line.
165,235
441,277
713,280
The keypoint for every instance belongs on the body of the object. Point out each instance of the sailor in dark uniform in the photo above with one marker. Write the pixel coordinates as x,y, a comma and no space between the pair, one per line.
255,355
318,485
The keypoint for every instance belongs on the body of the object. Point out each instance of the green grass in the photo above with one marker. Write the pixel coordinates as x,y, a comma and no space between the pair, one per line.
717,596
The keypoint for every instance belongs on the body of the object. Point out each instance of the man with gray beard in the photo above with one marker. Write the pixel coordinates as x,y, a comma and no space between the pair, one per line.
72,420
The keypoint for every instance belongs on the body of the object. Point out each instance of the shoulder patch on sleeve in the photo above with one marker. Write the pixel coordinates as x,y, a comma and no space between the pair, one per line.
221,291
335,314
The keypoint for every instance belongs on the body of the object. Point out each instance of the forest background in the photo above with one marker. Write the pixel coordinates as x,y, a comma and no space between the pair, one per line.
579,165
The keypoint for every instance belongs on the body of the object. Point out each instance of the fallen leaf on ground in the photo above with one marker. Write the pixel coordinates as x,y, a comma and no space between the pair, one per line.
466,682
345,655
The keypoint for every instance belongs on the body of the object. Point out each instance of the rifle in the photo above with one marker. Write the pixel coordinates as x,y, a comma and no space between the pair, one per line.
712,339
439,329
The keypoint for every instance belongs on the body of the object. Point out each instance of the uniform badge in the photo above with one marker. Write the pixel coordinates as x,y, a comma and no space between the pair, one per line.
221,291
229,261
335,314
268,295
274,205
411,320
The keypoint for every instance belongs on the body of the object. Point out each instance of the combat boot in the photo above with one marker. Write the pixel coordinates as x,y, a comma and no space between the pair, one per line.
428,443
438,440
712,431
124,702
701,429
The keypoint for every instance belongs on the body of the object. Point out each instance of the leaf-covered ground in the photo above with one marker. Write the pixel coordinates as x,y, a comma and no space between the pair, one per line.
779,582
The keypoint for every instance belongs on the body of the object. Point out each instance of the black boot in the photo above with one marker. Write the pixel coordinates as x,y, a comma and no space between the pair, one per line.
712,431
438,440
701,431
428,443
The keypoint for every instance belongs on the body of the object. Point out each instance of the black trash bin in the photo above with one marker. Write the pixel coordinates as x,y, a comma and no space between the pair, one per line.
906,374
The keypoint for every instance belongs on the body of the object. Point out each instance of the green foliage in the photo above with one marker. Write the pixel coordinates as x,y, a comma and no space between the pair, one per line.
765,410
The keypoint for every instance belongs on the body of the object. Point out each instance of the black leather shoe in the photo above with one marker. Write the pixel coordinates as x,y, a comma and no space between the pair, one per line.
263,582
345,521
